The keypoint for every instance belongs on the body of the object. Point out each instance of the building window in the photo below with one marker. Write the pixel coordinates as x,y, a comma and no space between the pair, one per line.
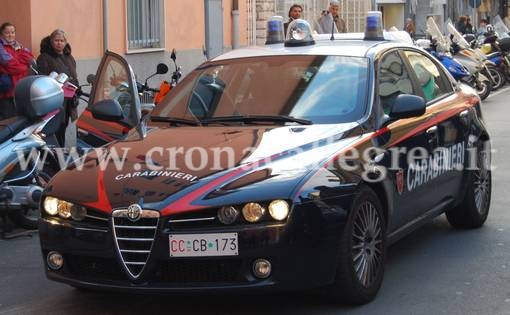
145,24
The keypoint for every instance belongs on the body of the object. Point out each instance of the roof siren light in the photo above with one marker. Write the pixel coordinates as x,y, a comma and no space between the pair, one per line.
299,33
275,30
374,26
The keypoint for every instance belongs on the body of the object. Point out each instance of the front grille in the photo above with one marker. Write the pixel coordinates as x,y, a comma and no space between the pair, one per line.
134,239
194,220
94,267
200,271
96,219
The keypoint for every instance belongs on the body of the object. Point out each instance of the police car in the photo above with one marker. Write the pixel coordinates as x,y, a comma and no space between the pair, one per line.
286,167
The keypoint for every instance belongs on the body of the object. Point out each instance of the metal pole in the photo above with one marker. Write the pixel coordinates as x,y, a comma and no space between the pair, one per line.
105,25
235,24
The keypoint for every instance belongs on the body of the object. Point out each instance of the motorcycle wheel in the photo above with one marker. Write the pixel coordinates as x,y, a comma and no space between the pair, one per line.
483,89
28,218
499,78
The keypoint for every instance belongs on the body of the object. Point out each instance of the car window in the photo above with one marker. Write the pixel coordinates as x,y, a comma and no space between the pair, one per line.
323,89
393,80
431,79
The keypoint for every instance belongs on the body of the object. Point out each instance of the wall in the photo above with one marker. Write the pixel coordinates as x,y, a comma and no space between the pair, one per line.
185,24
393,15
81,20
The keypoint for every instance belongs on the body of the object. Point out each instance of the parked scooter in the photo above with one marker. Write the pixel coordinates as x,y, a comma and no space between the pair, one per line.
474,59
26,162
496,45
442,46
166,86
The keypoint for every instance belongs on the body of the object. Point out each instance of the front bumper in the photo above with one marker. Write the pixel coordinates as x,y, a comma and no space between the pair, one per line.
302,253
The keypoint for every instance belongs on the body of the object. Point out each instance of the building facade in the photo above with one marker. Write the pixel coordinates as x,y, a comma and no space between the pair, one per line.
144,31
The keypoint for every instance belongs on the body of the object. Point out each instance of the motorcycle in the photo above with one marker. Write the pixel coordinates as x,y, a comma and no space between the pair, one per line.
26,162
474,59
496,45
442,46
166,86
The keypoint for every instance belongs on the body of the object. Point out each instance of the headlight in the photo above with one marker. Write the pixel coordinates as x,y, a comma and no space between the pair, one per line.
253,212
64,209
279,209
228,215
51,205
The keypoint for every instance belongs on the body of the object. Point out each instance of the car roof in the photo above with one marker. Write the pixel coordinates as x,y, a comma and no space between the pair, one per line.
349,44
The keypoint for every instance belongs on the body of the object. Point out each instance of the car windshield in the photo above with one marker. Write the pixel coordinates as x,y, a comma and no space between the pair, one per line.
321,89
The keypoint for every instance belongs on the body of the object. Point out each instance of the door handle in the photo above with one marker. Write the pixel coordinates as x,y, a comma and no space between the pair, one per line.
432,130
464,114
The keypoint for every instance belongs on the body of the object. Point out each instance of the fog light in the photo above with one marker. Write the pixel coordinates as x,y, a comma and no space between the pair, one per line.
55,260
261,268
279,209
253,212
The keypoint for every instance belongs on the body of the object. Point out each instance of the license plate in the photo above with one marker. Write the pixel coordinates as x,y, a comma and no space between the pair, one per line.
196,245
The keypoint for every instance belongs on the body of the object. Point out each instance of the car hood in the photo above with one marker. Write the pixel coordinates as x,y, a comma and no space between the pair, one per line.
180,169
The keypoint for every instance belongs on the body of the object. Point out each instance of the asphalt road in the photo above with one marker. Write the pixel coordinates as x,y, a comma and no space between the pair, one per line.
435,270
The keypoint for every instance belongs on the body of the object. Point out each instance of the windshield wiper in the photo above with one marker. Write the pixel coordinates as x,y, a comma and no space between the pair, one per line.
257,118
175,121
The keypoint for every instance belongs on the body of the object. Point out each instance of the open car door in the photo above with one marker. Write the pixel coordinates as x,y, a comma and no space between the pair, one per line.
114,81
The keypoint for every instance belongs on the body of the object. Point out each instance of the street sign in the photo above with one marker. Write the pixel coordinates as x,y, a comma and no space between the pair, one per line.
475,3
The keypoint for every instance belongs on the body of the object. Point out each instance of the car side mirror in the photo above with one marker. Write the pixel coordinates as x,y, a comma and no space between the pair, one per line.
407,106
107,110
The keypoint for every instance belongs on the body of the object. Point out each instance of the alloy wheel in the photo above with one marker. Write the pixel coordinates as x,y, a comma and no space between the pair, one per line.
367,244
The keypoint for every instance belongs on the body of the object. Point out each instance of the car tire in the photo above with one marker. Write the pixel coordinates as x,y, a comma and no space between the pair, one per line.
362,252
499,79
483,89
472,212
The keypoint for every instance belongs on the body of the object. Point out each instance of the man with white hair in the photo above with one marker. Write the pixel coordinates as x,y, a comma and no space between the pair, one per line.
331,19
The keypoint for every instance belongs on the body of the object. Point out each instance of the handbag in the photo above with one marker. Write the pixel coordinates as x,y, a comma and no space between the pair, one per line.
5,83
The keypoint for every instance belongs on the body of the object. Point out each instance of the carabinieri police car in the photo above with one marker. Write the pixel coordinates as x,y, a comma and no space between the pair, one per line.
285,167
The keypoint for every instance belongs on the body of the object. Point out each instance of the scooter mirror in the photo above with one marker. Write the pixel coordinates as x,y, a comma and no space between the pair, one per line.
173,56
161,68
91,78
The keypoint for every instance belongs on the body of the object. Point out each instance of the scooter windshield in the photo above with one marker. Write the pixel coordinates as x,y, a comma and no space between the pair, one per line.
442,43
457,37
500,27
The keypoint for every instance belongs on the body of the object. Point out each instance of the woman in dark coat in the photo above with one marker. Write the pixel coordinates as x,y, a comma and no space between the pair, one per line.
56,56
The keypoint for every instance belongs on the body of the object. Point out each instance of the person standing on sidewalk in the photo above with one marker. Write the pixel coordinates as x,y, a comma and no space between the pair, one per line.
409,27
294,14
14,65
332,16
56,56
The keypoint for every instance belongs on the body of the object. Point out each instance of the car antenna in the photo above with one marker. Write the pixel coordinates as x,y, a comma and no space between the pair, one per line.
332,29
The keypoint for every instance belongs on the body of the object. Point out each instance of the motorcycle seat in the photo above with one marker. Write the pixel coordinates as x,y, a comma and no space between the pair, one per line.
11,126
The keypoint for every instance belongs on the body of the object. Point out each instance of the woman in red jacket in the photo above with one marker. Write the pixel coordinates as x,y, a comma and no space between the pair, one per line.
14,61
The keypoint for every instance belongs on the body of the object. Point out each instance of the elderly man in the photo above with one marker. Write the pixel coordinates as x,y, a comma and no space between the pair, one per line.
331,19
